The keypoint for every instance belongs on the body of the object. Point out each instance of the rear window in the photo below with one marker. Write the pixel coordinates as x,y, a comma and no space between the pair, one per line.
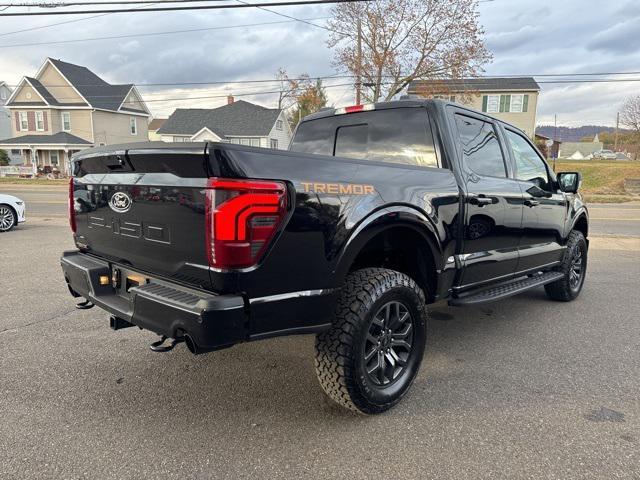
400,135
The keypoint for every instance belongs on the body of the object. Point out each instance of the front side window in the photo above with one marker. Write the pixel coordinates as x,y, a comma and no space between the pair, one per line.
24,122
399,135
529,166
66,121
39,121
133,126
480,147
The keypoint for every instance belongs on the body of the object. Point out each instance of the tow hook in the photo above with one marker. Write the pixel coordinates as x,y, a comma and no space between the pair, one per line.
86,305
160,345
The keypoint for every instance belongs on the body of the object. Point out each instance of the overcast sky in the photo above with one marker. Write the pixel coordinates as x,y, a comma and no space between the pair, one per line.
526,37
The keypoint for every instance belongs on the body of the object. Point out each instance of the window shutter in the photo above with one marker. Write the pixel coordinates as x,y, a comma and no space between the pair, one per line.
17,121
484,103
525,103
31,121
505,103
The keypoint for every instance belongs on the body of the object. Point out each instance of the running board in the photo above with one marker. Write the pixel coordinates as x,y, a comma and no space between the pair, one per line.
505,290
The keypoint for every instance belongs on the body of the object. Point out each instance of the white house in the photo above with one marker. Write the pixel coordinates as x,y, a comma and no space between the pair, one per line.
236,122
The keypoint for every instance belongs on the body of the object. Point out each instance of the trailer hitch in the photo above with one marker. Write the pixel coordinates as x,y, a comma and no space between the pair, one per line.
86,305
160,345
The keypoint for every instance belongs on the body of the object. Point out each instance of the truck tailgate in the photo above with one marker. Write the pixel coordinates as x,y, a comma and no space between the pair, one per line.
144,208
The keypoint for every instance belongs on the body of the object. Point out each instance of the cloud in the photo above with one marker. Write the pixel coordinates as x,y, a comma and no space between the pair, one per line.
526,37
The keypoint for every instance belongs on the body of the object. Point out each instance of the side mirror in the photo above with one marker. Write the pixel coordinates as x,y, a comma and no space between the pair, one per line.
569,182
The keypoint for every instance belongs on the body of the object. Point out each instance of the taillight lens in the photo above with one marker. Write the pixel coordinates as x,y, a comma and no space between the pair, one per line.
72,210
242,217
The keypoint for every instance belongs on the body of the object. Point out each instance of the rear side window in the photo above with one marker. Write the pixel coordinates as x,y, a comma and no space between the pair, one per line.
400,135
480,146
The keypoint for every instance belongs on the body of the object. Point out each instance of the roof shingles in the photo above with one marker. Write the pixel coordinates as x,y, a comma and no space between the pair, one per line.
242,119
474,84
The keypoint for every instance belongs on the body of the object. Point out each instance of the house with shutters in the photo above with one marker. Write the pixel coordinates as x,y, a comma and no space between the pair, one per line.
238,122
65,108
511,99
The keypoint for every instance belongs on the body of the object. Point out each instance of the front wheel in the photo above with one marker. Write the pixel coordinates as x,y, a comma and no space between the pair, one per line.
574,267
369,358
8,218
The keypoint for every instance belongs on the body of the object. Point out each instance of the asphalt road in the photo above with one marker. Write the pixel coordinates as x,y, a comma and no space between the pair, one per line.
606,219
523,388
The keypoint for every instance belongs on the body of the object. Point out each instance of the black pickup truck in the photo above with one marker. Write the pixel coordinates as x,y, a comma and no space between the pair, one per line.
373,213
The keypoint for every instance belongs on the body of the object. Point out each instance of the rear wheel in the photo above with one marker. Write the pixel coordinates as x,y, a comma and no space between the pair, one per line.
367,361
8,218
574,267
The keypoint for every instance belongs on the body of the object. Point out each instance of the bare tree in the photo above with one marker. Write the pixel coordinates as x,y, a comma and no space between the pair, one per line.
288,88
404,40
630,117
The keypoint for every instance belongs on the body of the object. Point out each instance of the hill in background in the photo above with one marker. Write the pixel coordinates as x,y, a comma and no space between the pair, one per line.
575,134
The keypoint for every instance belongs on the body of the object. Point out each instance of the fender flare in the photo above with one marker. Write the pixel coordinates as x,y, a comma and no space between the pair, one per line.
581,212
384,219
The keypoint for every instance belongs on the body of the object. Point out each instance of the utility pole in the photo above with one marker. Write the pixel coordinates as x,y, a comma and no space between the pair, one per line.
359,65
615,138
555,138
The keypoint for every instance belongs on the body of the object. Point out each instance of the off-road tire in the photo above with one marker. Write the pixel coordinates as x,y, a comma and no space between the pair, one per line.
11,211
340,351
562,290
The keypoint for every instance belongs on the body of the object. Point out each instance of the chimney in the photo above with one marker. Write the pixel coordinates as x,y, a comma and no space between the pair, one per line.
230,99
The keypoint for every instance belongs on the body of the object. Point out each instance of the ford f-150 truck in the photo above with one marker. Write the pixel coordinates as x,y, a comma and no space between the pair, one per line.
373,213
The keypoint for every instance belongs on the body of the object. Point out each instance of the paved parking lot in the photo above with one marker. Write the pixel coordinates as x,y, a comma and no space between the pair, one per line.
524,388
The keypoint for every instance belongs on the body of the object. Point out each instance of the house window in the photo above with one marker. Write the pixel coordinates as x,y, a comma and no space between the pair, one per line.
133,126
274,143
279,125
66,121
53,157
255,142
491,103
505,103
40,121
178,139
24,122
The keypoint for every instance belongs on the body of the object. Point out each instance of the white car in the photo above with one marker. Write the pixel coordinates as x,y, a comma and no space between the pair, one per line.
12,212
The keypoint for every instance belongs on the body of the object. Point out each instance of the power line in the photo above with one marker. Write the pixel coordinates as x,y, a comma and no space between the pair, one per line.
107,2
436,82
31,29
173,9
151,34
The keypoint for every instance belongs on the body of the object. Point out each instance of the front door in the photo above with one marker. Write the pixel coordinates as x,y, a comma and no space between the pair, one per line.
493,212
545,206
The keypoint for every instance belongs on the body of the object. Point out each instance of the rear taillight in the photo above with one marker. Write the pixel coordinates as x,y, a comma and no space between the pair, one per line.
242,217
72,210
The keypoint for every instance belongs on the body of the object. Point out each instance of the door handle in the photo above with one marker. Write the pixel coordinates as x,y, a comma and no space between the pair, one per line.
480,200
531,203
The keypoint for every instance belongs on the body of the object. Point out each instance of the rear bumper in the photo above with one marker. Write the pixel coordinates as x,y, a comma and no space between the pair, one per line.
210,322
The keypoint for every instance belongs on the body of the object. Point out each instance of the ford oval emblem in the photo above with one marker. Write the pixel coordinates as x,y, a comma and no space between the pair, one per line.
120,202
